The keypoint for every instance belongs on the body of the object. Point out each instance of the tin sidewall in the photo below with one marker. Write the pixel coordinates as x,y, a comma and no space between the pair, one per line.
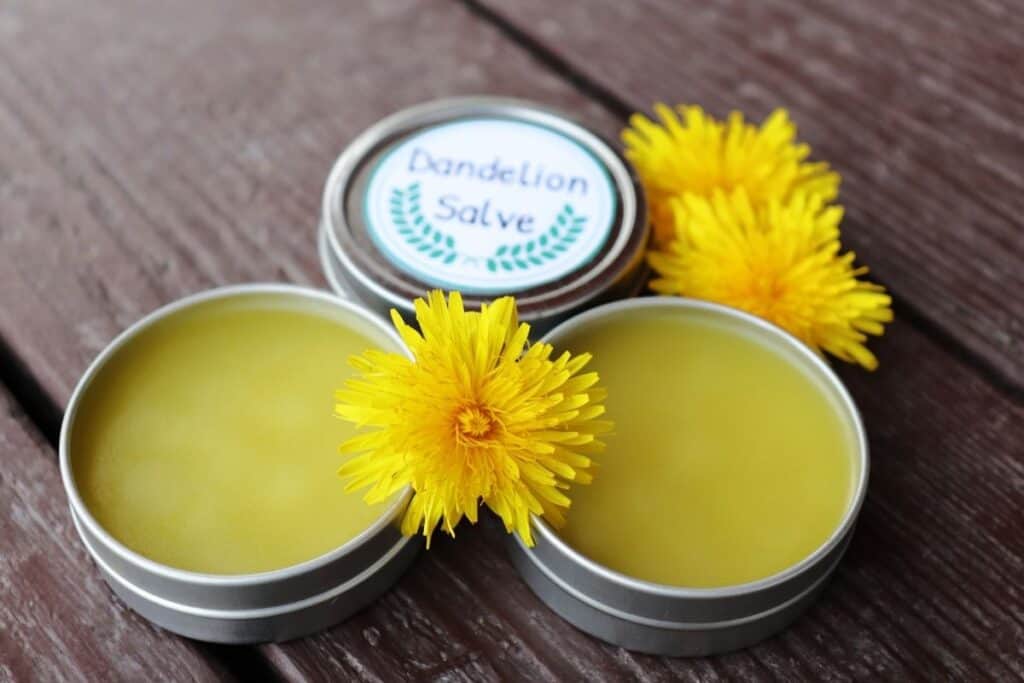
175,591
623,610
620,267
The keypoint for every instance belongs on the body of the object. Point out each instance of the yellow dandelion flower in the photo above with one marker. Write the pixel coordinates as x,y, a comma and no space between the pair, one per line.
781,262
476,416
692,153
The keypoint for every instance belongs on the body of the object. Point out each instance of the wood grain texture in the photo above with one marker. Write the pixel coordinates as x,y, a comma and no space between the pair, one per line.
151,150
58,620
917,104
929,588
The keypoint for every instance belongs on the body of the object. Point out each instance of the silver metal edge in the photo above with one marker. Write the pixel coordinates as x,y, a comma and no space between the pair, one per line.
702,640
683,604
574,592
232,628
333,593
633,209
214,589
328,267
343,282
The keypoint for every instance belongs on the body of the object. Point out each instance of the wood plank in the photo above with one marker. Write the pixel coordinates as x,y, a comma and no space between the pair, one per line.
905,600
917,105
137,180
58,620
130,181
928,587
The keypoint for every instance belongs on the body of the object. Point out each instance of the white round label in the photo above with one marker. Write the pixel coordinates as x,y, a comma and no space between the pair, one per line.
489,205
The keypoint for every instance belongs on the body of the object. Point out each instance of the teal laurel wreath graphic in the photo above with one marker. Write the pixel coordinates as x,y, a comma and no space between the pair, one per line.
416,230
557,239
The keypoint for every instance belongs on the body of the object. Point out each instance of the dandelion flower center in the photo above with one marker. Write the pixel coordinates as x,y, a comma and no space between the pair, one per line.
475,424
476,416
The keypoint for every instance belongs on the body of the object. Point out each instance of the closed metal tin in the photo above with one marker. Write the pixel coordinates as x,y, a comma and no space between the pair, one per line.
670,620
367,254
246,608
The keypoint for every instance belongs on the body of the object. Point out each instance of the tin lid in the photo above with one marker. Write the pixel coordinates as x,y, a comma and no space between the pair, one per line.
488,196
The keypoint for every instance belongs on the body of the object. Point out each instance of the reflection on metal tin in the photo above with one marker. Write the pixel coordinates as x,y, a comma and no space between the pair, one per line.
641,609
191,540
488,196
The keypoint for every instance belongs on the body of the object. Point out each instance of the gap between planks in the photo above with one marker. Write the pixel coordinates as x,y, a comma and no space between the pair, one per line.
618,107
45,413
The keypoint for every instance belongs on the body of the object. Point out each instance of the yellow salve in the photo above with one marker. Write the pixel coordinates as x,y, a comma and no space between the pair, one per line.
729,463
208,442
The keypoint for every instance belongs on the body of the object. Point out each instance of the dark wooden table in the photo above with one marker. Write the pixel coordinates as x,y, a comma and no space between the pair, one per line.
153,149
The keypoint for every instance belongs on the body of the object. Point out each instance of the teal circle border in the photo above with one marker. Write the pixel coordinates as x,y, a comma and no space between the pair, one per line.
434,281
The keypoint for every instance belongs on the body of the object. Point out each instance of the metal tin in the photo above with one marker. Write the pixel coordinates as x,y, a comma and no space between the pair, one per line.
246,608
356,262
670,620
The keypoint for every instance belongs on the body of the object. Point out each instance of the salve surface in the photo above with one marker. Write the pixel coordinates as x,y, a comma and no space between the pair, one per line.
728,464
208,443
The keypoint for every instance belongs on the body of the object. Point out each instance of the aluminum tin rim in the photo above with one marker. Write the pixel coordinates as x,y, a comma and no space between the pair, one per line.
251,613
324,249
85,517
634,210
343,289
649,622
630,583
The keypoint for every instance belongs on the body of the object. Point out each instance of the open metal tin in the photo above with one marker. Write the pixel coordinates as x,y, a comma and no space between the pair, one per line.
671,620
488,196
244,608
